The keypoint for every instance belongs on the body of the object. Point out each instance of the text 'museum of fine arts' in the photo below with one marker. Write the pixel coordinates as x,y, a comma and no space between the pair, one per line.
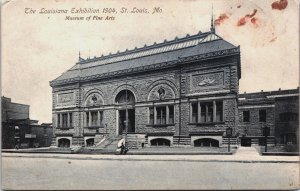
182,92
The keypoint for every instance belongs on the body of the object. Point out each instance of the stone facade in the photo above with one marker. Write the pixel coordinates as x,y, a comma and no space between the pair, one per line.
168,100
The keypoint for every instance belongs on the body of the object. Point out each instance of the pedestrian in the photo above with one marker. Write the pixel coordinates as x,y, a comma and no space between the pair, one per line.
122,148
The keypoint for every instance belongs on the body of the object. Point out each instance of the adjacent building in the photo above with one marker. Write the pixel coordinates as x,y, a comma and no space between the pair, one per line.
278,110
19,131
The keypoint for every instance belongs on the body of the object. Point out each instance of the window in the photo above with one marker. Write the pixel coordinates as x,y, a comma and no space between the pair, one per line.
262,115
151,115
205,112
288,116
70,119
194,112
246,116
219,112
58,120
64,120
93,118
161,115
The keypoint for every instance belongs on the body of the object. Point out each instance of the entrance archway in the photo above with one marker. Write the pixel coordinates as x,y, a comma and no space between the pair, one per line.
126,101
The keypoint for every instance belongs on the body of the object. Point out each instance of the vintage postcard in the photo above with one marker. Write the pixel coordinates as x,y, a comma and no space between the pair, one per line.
139,95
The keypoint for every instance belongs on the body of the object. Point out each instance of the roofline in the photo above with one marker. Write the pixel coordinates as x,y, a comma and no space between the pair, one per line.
145,47
157,66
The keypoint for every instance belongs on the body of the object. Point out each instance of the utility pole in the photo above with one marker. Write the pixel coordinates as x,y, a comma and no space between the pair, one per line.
126,114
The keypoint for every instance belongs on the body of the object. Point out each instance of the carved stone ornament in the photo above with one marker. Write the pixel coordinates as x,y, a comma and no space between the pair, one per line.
94,99
161,93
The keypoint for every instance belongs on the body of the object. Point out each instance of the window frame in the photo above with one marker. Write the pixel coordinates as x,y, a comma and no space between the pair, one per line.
161,111
207,112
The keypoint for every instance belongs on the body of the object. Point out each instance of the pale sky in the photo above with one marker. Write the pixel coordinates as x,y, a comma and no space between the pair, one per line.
37,48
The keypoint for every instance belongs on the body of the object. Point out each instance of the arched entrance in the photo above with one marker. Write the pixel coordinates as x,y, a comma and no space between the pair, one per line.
206,142
126,101
63,142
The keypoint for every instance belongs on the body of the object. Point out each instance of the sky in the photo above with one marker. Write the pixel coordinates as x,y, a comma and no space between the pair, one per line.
38,47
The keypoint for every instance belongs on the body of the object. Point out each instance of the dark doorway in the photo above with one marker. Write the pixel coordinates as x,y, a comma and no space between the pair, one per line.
246,142
90,142
206,142
122,121
63,142
160,142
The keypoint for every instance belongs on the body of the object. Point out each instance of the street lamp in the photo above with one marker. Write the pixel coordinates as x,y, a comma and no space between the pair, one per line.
228,135
266,133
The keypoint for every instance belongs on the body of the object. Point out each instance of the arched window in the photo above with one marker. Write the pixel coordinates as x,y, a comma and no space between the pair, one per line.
206,142
125,97
160,142
63,142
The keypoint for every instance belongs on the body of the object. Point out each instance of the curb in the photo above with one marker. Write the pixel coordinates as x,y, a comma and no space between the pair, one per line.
133,159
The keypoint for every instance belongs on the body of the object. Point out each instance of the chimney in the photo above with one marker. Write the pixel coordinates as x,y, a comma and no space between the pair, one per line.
279,89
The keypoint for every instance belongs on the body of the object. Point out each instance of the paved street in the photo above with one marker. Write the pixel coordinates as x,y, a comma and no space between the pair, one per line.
42,171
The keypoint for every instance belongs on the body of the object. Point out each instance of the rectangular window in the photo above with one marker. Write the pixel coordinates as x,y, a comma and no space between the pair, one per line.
87,118
209,107
151,115
219,112
159,117
194,112
65,120
203,112
210,112
58,120
94,115
101,118
171,114
246,116
70,120
262,115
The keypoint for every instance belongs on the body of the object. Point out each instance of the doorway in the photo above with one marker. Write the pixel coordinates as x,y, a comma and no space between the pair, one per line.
122,121
246,142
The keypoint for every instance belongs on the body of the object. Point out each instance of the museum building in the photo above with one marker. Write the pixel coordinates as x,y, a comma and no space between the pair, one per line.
182,92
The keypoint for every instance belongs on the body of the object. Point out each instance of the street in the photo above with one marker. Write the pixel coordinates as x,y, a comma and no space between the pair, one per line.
133,172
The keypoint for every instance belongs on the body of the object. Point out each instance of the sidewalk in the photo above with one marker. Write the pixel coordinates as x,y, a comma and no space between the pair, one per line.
243,155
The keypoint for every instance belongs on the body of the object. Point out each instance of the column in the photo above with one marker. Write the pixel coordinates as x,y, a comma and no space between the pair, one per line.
60,117
199,112
68,120
214,111
98,120
90,119
191,112
206,112
167,114
155,114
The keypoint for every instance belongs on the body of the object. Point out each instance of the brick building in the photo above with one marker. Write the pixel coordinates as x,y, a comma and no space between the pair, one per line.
18,130
278,110
177,93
